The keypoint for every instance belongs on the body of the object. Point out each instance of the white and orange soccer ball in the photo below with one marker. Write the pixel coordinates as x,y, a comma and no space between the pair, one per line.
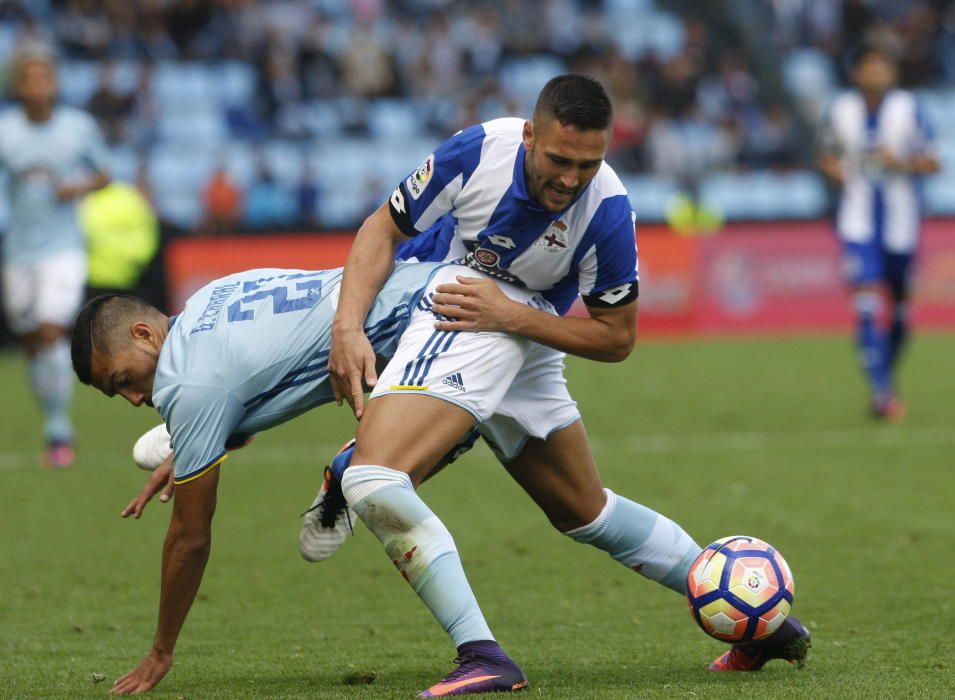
739,589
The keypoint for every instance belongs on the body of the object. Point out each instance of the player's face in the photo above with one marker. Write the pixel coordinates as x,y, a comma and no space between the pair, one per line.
129,371
37,84
874,74
560,161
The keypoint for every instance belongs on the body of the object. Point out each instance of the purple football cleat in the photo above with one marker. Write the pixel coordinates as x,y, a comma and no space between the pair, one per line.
483,667
791,642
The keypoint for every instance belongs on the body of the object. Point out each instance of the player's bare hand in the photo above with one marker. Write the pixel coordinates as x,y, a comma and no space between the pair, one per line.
65,192
145,676
351,367
890,161
474,304
160,481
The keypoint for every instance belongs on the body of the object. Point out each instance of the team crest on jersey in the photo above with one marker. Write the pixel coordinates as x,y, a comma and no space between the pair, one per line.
487,257
419,179
554,239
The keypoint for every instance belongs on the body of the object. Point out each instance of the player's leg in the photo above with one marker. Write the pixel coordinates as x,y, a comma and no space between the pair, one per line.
539,437
329,521
51,378
60,290
41,301
437,385
898,268
560,475
864,270
400,437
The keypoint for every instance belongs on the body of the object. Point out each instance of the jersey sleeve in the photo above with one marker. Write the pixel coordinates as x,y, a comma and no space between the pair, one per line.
430,191
200,420
608,272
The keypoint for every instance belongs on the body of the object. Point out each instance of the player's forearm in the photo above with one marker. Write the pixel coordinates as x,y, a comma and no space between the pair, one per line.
831,167
184,561
369,263
590,338
83,187
923,165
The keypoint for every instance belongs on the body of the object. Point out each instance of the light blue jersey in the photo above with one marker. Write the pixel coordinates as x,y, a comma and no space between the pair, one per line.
250,351
36,159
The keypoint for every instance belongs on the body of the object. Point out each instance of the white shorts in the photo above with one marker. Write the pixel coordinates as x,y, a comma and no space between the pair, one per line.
45,291
514,387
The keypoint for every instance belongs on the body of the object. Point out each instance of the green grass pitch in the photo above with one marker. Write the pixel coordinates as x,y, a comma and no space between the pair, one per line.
768,438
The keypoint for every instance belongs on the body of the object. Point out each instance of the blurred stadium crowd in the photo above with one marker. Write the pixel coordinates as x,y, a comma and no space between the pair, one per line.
302,114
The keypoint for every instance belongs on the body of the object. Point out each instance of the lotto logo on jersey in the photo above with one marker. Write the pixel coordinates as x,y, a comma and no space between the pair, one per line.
419,179
554,239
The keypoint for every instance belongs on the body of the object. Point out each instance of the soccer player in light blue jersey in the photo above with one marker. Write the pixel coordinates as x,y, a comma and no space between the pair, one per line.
533,218
52,155
876,147
248,352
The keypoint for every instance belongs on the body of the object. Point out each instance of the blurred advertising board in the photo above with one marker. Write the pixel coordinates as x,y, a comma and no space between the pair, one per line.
750,278
193,262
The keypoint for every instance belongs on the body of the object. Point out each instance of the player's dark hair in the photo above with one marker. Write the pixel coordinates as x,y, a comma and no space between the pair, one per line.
575,100
99,324
873,48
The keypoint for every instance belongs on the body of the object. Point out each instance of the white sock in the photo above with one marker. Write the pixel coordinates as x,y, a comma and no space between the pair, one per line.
641,539
419,545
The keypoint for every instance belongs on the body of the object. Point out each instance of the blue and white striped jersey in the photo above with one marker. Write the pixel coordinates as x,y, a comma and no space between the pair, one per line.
37,158
878,205
250,351
468,203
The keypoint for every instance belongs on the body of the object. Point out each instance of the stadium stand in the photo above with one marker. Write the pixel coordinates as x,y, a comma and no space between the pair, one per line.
355,91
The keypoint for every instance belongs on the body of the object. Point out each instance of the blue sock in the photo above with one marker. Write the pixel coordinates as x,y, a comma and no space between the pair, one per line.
898,333
51,376
641,539
341,461
871,342
419,545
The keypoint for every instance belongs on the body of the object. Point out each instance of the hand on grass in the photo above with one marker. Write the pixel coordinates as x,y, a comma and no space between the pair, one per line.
160,481
145,676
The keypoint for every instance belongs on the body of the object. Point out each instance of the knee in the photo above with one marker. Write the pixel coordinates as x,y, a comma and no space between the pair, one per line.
47,335
566,517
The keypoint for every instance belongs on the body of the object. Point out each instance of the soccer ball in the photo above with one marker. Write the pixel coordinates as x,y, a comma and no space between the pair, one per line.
739,589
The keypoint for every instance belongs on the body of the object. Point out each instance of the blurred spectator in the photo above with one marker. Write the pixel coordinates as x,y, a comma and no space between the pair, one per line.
122,236
749,76
267,203
223,204
366,64
307,196
110,107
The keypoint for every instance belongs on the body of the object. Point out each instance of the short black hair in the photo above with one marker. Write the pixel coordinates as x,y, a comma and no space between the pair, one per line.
98,326
575,100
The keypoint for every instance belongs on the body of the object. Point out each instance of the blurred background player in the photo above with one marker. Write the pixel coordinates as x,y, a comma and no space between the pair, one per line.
876,146
53,155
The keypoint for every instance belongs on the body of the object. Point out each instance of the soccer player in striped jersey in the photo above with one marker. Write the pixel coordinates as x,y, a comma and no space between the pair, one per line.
532,217
52,155
876,147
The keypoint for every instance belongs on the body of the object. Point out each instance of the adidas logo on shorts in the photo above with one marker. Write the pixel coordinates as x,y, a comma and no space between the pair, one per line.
455,381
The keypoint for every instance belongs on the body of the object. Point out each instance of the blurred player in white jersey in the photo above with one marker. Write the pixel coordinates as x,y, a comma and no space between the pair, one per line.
533,218
876,145
52,155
